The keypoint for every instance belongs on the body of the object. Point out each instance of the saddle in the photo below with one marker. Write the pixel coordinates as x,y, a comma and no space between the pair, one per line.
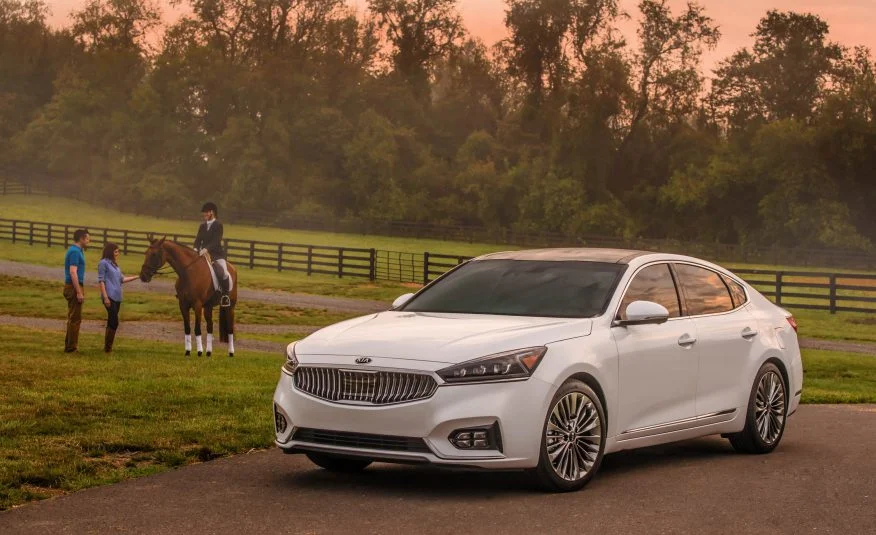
225,300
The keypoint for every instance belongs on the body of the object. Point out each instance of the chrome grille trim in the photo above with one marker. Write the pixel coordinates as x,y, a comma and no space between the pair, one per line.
364,387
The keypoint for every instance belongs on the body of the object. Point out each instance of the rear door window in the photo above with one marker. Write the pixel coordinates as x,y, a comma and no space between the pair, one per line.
737,292
653,283
704,290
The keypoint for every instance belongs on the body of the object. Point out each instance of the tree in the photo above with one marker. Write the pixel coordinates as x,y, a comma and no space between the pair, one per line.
787,75
420,32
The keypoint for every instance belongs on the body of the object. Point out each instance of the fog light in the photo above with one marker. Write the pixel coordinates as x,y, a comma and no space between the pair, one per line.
280,423
481,438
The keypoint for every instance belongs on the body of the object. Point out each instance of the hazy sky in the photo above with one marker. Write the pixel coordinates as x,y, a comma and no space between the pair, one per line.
852,22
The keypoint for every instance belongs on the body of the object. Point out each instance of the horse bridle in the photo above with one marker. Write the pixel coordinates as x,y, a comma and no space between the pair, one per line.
158,271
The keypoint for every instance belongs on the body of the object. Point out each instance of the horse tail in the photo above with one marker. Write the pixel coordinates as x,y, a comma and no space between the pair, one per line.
226,323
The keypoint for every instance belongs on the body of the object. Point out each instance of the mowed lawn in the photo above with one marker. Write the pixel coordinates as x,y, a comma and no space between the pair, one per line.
57,210
69,422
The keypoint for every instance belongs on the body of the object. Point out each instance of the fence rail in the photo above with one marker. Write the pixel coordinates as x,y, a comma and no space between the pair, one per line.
835,292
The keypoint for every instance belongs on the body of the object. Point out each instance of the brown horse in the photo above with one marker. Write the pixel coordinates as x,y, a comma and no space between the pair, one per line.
194,290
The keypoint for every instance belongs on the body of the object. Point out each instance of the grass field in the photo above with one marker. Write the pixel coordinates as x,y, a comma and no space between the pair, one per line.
257,279
57,210
69,422
42,299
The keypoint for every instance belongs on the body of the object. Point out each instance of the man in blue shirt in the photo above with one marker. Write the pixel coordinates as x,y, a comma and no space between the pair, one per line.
74,287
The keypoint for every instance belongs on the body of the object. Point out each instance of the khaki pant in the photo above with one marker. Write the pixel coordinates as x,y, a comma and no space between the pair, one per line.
74,318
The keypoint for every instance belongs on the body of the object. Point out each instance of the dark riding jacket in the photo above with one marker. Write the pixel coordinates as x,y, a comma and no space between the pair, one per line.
211,239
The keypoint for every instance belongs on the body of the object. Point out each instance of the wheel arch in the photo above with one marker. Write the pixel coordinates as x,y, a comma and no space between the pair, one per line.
591,381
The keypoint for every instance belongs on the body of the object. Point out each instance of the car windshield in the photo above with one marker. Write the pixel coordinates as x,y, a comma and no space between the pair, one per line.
568,289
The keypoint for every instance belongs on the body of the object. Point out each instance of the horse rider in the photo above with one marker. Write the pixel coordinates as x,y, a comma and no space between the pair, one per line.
209,240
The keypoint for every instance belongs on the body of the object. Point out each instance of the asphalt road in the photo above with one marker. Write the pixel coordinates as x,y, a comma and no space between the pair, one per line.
821,479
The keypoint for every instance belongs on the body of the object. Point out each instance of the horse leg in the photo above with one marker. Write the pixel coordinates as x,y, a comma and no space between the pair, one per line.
208,319
184,310
198,339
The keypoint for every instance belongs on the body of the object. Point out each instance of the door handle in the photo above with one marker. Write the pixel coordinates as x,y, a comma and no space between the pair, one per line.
748,333
686,340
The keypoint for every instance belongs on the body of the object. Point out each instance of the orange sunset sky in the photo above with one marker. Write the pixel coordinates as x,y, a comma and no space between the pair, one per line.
852,22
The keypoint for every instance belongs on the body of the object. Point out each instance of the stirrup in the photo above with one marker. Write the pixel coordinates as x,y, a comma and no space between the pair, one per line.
225,301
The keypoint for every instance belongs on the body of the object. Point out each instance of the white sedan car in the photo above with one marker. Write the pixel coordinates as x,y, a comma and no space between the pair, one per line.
545,361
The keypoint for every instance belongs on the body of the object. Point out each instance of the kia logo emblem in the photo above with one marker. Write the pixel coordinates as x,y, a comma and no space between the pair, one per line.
363,360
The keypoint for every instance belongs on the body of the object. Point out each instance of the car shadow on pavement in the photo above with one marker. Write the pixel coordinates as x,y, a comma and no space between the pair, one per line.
430,481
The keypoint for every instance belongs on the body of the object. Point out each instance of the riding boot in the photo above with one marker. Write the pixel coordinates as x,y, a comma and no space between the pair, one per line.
225,300
108,339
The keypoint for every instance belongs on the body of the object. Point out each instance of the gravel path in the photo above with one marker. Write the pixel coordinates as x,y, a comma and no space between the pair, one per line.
332,304
165,331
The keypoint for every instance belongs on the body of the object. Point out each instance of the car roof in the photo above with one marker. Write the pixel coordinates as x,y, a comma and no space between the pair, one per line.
578,254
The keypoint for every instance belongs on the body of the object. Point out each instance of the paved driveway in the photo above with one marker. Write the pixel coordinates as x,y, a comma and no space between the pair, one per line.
822,479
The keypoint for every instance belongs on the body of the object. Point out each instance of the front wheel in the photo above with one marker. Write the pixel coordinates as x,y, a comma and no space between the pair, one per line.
333,463
766,415
573,439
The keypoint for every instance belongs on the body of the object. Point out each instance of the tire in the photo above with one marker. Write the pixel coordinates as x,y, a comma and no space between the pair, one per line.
333,463
765,427
564,473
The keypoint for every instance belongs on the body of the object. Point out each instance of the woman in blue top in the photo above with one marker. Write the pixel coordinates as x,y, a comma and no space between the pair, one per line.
110,278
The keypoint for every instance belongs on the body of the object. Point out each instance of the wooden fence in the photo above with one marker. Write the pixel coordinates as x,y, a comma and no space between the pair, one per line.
835,292
719,252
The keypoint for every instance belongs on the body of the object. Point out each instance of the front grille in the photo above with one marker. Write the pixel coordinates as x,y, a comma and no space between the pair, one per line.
360,440
371,387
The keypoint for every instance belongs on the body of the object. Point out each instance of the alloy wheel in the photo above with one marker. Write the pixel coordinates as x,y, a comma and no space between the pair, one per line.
574,435
769,407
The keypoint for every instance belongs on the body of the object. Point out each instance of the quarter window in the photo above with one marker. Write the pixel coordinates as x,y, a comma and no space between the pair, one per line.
704,290
653,283
737,292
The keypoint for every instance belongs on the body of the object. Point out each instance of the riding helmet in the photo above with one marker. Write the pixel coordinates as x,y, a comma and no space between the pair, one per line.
210,206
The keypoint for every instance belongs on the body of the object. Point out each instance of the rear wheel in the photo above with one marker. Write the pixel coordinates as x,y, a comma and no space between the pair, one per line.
334,463
572,443
766,416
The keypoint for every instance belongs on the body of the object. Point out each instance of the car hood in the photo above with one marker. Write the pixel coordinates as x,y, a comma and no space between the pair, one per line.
435,337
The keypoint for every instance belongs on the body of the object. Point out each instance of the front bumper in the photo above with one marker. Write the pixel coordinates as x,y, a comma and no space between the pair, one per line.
518,409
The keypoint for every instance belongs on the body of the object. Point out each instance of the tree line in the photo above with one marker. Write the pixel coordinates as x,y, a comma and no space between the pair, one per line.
305,108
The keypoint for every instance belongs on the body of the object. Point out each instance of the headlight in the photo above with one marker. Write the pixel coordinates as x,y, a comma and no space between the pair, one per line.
517,364
291,360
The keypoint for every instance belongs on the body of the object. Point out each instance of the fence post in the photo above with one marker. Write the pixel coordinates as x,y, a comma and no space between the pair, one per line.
779,275
372,272
104,236
66,235
31,233
280,257
341,263
252,255
309,260
49,236
426,267
833,294
14,229
125,243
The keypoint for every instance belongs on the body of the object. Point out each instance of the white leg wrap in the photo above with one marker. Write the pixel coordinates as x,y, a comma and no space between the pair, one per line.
231,343
188,342
200,344
209,342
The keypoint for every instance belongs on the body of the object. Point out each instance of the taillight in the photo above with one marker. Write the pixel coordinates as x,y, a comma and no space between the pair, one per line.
793,322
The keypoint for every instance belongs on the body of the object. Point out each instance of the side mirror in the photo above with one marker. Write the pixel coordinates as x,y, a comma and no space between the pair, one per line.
401,300
644,313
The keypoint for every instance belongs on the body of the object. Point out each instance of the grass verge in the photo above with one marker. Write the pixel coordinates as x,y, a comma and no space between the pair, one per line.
69,422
